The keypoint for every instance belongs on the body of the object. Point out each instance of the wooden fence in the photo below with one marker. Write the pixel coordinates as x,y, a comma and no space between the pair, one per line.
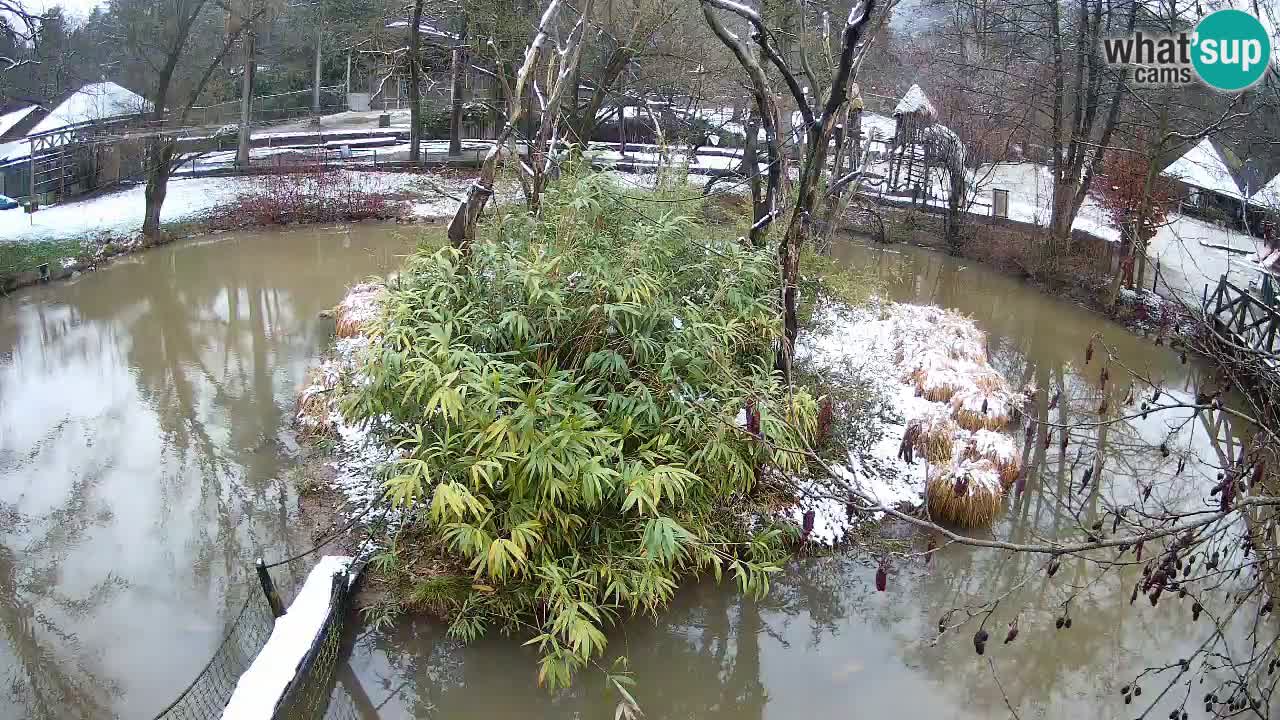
1249,321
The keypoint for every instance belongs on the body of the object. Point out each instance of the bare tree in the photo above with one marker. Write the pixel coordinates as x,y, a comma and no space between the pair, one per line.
818,123
533,174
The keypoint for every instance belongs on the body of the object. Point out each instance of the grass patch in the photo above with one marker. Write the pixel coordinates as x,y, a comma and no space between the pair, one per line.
20,257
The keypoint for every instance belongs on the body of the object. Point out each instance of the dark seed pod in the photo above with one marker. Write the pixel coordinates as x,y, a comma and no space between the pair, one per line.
1097,527
1134,596
1052,569
1088,352
882,575
1124,690
1067,624
984,406
1164,449
1146,492
980,641
1060,622
1128,699
1182,592
1156,396
1183,357
1013,632
1267,607
1196,608
1137,691
942,626
1182,465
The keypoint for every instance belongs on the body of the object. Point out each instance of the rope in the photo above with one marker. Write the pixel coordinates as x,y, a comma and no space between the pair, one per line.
328,538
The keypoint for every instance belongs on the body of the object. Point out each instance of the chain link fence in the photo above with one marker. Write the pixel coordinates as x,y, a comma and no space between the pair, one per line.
308,694
205,697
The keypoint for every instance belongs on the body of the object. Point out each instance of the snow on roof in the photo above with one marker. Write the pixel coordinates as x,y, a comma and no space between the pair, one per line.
1269,195
1202,167
97,101
424,27
879,125
915,101
8,120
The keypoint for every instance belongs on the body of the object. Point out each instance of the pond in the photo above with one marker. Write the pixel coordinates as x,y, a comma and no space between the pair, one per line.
824,643
146,460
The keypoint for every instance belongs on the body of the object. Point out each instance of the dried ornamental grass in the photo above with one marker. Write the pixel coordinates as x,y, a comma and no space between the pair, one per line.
313,414
977,409
999,449
933,436
967,494
357,309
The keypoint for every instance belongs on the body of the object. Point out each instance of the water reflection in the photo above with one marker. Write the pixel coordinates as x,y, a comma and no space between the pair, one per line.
141,410
824,643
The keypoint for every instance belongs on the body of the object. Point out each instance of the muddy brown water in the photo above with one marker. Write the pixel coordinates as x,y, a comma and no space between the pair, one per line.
144,463
142,460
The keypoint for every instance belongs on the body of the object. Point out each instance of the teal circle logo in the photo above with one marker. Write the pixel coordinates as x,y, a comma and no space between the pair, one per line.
1231,50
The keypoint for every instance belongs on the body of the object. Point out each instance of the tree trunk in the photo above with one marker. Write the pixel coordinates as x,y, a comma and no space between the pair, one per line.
160,164
415,80
315,91
455,101
246,99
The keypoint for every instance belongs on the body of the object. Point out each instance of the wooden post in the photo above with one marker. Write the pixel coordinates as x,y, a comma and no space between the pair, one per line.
269,589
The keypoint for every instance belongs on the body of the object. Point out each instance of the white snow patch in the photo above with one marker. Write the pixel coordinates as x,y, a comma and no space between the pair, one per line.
9,119
261,686
1202,167
96,101
883,345
915,101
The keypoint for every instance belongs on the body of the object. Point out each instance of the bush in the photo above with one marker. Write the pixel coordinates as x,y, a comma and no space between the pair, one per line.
566,398
309,192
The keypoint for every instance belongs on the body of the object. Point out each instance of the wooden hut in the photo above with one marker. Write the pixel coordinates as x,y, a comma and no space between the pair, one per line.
913,115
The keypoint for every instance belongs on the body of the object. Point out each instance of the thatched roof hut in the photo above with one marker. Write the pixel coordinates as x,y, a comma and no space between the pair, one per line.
913,115
916,105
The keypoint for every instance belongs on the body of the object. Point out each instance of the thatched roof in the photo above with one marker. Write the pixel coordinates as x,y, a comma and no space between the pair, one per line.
916,103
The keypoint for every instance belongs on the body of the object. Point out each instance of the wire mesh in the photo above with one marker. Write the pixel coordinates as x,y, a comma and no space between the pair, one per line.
307,697
208,694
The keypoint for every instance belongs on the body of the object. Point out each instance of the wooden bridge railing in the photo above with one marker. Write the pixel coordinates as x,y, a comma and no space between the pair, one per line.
1247,319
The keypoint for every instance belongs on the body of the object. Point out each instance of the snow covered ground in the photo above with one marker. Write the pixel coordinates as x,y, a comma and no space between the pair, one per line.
120,213
880,347
1191,252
